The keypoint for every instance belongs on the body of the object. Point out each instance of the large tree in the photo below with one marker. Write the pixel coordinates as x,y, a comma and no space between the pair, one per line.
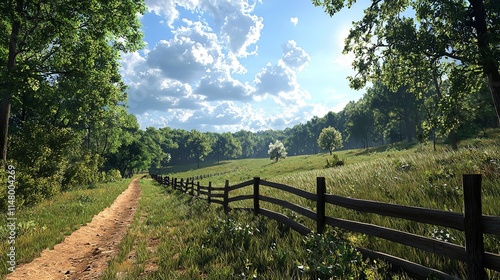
52,44
401,42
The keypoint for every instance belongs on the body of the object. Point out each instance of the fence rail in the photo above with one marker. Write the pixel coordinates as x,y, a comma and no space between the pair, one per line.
472,222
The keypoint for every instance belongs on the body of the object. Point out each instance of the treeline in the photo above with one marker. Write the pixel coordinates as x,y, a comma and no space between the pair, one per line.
379,117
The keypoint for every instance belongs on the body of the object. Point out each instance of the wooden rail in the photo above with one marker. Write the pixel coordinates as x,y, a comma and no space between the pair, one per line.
472,222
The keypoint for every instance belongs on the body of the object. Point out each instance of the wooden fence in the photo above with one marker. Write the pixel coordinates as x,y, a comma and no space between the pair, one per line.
472,222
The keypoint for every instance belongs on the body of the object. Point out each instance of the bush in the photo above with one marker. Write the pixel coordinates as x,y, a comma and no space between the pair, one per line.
84,171
112,175
336,161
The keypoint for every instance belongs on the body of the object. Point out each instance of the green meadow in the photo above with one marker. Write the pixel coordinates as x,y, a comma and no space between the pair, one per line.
177,236
185,238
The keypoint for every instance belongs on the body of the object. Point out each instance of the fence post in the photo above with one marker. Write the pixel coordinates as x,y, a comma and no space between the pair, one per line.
256,206
209,192
174,184
226,196
474,246
192,187
320,204
198,189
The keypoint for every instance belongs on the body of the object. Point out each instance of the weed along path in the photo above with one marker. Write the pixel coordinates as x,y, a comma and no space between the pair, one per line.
85,253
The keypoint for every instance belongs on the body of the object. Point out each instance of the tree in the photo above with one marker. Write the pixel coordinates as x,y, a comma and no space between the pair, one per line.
53,44
465,34
153,139
130,157
199,145
247,140
329,139
226,146
277,150
359,123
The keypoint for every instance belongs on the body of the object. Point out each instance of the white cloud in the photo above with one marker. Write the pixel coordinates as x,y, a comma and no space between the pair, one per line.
186,81
294,20
223,88
240,28
168,8
275,79
294,57
279,81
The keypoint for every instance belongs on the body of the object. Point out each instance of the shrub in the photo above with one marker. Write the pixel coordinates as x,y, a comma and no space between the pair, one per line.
112,175
83,171
336,161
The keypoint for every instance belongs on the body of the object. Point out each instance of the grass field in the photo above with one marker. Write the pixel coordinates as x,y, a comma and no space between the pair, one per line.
407,175
175,236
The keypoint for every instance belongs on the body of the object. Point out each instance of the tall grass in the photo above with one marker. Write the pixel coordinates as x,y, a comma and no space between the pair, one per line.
186,238
418,176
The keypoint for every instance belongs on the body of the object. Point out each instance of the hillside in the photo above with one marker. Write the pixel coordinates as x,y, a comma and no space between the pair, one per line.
416,176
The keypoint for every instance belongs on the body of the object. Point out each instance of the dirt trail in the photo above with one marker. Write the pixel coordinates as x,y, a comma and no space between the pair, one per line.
85,253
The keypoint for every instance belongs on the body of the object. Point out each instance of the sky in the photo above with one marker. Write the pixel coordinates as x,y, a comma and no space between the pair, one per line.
228,65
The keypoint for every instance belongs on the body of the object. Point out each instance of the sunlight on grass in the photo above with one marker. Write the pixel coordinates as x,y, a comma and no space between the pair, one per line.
418,176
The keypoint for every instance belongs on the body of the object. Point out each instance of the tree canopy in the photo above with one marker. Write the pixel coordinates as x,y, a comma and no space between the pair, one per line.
277,150
408,43
63,55
329,139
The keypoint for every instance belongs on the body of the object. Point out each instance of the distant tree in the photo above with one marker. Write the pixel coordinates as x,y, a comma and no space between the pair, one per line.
329,139
277,150
152,139
359,122
130,157
199,145
226,146
248,141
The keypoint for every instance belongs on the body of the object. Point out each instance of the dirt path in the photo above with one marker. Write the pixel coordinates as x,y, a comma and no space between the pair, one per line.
85,253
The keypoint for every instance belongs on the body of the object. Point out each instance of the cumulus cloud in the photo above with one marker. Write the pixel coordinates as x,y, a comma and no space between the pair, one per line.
279,81
187,79
274,79
240,28
294,21
168,8
223,88
294,57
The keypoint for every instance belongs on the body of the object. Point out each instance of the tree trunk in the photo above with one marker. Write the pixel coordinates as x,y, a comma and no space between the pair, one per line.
452,136
494,83
11,63
487,60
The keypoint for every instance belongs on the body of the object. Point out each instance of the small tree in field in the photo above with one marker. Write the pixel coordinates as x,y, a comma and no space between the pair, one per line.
329,139
277,150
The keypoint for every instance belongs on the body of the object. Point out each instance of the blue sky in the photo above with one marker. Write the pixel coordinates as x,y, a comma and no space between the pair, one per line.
227,65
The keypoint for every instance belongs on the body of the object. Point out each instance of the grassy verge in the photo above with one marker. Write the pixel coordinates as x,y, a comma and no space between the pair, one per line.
49,222
176,236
